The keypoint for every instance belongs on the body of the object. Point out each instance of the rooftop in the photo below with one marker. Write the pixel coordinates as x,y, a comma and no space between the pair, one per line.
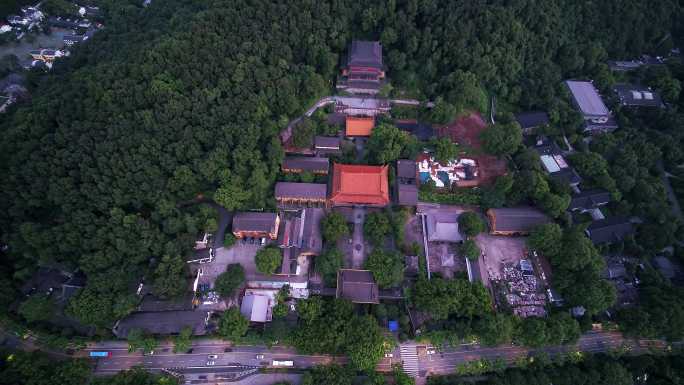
443,227
256,308
637,96
407,194
301,190
306,163
516,219
589,199
359,184
407,169
255,221
613,229
421,131
365,54
532,119
327,143
162,322
554,163
357,286
359,126
587,99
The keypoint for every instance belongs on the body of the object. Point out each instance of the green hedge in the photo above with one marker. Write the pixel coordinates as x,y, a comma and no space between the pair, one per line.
461,196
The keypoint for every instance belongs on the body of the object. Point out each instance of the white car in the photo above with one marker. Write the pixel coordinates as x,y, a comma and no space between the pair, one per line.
212,356
389,355
431,351
211,363
259,356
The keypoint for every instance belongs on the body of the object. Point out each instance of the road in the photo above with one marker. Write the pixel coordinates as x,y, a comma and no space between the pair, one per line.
242,356
593,342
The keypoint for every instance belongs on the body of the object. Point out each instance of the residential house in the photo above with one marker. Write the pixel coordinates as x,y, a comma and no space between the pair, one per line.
256,225
359,185
300,164
554,163
364,71
589,200
597,117
632,95
291,195
257,306
357,286
515,220
532,119
359,126
443,227
406,182
327,145
46,55
609,230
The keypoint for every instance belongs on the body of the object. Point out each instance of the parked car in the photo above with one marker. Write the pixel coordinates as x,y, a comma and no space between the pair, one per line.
211,363
431,351
259,356
389,355
189,351
212,356
227,350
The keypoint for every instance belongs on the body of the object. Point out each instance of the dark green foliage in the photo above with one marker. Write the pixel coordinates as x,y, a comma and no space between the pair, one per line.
183,341
170,279
36,368
338,330
470,223
138,339
137,376
387,267
328,263
334,226
229,240
470,250
231,279
441,298
387,143
37,308
377,226
445,149
232,325
330,374
268,260
502,139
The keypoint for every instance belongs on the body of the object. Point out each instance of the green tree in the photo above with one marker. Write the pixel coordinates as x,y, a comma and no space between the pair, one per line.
229,240
334,226
231,279
495,329
442,298
376,227
387,267
386,143
310,309
470,223
445,149
268,260
546,239
502,139
138,339
232,325
443,112
327,265
232,194
366,344
470,250
329,375
37,308
169,277
182,342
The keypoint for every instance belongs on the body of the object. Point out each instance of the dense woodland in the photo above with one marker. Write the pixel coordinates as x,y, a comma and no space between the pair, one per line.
186,98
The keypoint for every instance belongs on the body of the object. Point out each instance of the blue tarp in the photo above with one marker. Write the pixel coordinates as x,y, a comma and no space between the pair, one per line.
393,326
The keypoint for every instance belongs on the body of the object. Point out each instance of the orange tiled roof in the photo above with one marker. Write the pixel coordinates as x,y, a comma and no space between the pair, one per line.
359,126
360,184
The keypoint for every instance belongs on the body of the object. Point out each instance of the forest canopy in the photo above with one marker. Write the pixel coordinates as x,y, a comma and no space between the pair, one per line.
186,98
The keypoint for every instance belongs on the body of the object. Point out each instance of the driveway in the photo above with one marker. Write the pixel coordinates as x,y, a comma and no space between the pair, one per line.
359,247
242,253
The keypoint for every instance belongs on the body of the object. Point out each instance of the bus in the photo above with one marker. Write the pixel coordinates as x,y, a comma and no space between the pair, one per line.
283,363
100,354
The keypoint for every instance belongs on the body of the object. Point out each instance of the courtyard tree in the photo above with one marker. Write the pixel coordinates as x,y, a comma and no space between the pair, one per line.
268,260
470,223
328,263
386,143
386,266
376,227
232,325
334,226
445,149
229,280
546,239
470,250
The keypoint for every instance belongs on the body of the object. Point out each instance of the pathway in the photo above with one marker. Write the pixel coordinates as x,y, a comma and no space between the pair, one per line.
358,245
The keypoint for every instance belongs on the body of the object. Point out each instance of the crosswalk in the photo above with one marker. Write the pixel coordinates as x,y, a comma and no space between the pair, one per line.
409,356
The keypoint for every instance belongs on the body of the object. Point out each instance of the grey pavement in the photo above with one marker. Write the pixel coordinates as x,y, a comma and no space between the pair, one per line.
358,242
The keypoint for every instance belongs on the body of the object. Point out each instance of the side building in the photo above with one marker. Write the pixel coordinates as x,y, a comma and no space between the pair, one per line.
597,117
515,220
364,71
256,225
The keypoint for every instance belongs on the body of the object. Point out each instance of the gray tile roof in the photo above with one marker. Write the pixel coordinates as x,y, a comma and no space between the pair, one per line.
637,96
517,219
301,190
407,195
589,199
357,286
305,163
255,221
407,169
365,53
587,99
532,119
613,229
327,143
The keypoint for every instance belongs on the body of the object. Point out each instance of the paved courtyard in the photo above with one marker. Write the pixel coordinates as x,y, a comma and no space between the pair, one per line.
500,250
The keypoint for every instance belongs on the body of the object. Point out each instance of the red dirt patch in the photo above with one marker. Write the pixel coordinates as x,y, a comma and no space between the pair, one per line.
466,131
